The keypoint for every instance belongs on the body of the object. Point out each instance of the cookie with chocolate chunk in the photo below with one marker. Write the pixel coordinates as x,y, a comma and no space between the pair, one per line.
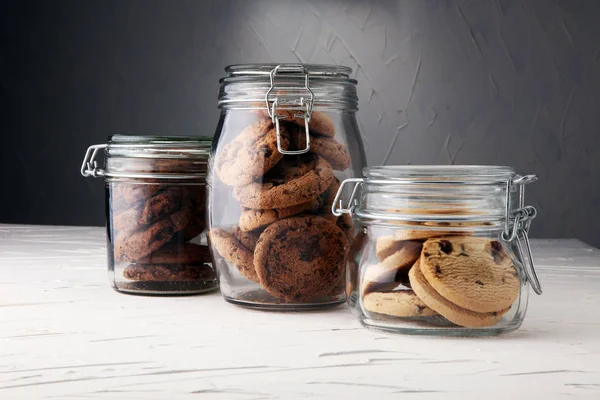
247,238
178,253
169,272
251,154
327,147
252,219
452,312
295,180
473,273
300,258
133,246
401,303
233,251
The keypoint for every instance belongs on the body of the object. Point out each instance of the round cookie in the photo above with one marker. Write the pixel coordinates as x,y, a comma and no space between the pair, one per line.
133,192
251,154
246,238
127,220
401,303
328,148
182,217
300,258
392,270
473,273
164,202
174,253
233,251
133,246
251,219
385,246
169,272
319,123
449,310
295,180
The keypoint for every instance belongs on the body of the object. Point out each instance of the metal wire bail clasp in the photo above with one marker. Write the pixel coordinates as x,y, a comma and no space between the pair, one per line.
521,221
89,167
273,102
338,211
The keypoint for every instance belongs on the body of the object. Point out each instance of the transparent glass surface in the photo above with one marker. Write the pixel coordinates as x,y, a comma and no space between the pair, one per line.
156,215
435,278
275,241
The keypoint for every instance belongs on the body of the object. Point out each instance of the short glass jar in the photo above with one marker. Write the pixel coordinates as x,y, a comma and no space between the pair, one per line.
440,250
155,211
286,138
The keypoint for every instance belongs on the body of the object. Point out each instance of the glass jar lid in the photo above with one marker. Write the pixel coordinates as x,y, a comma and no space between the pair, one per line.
288,86
155,157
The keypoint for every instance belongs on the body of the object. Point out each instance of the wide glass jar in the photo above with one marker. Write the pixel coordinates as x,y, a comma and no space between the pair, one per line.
439,249
155,213
286,138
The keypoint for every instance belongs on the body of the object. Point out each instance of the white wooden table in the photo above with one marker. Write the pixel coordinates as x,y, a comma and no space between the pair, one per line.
65,334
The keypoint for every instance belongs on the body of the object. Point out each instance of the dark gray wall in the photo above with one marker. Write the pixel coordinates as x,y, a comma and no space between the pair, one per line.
492,82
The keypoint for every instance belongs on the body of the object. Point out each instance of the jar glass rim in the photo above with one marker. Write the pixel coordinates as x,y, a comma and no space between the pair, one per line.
323,70
446,173
155,146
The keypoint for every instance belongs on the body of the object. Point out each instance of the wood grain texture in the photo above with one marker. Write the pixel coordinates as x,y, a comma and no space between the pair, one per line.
65,334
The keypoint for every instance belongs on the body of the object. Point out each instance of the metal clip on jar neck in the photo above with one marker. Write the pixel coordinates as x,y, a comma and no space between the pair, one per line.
272,102
517,221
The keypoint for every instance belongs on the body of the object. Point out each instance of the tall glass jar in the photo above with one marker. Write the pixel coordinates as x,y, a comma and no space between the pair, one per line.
286,138
440,249
155,212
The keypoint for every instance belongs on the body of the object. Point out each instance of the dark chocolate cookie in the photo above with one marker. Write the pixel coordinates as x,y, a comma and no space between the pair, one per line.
169,272
295,180
133,246
252,219
162,203
175,253
251,154
300,258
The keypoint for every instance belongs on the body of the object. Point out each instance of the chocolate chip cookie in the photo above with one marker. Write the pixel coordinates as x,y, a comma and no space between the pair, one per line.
473,273
133,246
252,219
169,272
452,312
295,180
328,148
392,271
178,253
247,238
251,154
233,251
300,258
401,303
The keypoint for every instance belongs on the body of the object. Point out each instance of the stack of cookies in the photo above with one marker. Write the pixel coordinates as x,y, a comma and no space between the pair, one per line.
287,239
152,228
469,281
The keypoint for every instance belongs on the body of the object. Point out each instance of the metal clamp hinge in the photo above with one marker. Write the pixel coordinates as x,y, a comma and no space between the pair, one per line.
517,224
339,210
89,167
302,102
